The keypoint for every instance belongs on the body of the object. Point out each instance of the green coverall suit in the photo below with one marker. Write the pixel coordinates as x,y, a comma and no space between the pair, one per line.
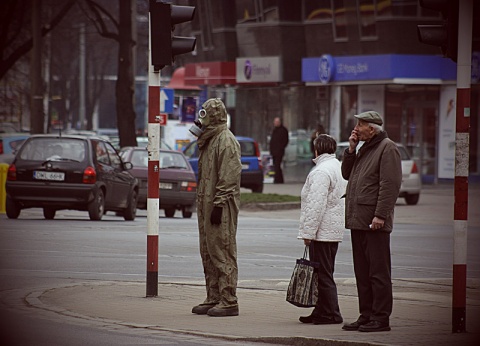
219,169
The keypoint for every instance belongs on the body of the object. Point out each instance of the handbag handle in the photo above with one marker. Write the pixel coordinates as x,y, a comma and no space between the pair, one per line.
305,252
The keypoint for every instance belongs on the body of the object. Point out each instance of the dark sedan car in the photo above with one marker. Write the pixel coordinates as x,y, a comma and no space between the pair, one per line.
177,184
70,172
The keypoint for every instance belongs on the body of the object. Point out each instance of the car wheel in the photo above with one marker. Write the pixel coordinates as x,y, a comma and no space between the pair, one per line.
169,212
96,208
12,208
49,213
186,214
412,199
257,188
131,210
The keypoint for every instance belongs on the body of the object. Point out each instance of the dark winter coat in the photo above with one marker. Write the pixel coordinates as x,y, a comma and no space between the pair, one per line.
278,141
374,177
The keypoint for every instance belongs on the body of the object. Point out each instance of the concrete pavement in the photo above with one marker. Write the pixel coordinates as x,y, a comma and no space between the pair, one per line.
421,315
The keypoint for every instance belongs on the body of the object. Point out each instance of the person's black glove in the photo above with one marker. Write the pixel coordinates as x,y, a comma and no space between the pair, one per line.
216,216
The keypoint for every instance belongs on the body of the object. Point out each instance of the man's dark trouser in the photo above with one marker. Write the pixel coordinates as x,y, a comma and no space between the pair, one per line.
277,167
372,266
327,305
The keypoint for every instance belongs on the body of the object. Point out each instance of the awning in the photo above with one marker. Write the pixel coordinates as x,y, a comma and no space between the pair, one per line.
178,81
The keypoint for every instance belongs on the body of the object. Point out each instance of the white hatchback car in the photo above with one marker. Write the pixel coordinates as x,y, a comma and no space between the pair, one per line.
411,180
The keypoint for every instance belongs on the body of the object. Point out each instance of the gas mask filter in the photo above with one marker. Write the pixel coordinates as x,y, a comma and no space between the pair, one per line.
197,128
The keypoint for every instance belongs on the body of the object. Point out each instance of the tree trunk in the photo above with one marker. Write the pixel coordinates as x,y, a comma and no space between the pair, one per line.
36,115
124,89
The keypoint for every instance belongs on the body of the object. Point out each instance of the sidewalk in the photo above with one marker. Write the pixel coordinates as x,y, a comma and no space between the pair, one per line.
421,314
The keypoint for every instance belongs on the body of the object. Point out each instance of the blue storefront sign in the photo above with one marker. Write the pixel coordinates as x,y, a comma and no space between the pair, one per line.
327,69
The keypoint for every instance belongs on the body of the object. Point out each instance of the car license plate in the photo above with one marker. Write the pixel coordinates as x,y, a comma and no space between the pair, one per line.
166,186
57,176
245,165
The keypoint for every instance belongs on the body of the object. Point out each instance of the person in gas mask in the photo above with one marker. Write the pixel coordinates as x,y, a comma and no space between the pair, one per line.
218,200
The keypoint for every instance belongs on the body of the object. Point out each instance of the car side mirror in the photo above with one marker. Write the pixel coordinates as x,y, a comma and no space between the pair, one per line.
127,165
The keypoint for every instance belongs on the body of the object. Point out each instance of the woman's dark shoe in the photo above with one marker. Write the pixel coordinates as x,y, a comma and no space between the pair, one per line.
375,326
306,319
355,325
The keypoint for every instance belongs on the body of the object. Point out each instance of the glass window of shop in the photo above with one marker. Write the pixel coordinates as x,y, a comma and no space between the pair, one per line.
348,108
317,11
367,18
402,8
255,11
339,20
412,119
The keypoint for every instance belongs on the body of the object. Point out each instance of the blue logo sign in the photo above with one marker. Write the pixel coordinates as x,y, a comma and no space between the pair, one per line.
166,100
326,69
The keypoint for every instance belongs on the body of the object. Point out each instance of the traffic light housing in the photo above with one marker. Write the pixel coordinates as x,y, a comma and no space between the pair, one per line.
443,35
164,45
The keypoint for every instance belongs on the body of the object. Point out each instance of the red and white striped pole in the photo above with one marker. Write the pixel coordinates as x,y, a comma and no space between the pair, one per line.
153,176
459,295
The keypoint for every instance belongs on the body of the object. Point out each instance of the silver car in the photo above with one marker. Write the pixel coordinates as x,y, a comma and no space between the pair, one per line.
411,180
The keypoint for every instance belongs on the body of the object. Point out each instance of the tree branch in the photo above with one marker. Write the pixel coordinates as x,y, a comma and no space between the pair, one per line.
7,63
99,21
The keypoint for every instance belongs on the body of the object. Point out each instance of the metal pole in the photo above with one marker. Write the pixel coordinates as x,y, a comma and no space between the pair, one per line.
459,300
153,176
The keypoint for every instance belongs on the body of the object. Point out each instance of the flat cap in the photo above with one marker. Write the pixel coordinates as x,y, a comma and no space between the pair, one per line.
370,117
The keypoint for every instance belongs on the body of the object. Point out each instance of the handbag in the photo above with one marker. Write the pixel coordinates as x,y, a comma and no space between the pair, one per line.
302,290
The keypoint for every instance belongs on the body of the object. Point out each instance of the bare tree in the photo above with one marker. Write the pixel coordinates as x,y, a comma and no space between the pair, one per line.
120,31
15,33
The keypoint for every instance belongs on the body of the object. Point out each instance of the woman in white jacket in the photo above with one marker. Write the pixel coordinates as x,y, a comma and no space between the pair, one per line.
322,224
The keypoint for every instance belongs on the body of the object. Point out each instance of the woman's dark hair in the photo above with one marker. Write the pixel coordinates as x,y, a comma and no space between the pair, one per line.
325,144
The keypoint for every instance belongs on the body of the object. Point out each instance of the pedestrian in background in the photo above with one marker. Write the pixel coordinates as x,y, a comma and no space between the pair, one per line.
322,226
278,143
374,177
218,201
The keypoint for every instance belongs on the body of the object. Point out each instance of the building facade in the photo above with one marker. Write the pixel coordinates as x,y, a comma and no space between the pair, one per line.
322,61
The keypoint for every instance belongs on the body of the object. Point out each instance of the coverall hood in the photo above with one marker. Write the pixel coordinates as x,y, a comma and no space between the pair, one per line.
216,113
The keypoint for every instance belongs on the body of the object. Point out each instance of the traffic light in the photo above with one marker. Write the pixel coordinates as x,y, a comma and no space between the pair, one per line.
443,35
164,45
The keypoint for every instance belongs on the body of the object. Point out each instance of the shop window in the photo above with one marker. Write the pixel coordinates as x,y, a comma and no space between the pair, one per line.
317,10
367,18
348,108
255,11
205,16
402,8
339,20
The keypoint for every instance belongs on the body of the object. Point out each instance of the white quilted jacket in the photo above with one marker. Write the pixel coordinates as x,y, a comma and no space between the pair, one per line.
322,216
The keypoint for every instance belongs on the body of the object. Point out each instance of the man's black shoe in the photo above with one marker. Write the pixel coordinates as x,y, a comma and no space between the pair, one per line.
355,325
374,326
306,319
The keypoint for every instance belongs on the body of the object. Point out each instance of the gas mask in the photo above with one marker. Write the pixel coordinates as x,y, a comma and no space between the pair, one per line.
200,124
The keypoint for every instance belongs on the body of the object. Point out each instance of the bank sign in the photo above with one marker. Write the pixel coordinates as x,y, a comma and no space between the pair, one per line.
259,70
327,69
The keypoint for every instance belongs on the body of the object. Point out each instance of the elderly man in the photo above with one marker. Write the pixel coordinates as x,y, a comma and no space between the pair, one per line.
374,175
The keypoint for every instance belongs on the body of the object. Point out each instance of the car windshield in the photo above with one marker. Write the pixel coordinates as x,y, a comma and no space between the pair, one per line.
172,160
139,158
53,149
